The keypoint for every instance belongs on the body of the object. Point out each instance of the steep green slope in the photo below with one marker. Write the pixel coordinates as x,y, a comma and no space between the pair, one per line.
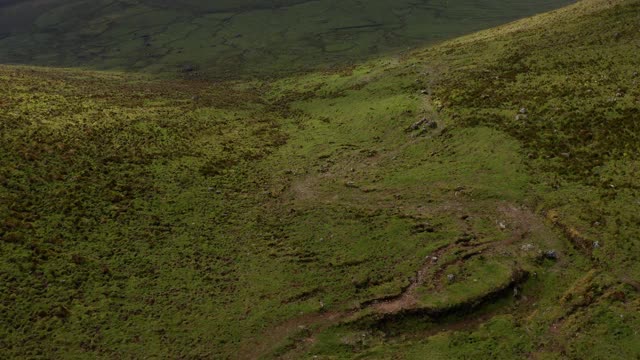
239,37
320,215
579,85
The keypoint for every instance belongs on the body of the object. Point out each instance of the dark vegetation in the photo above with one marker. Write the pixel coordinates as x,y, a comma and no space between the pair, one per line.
231,38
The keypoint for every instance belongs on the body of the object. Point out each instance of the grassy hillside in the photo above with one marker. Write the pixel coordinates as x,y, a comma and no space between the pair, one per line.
474,199
229,38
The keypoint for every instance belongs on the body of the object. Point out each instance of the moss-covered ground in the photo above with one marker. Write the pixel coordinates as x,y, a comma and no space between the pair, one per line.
306,217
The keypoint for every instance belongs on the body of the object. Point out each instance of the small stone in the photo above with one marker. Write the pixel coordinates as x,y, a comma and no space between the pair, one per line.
520,117
596,244
565,155
434,259
635,74
350,184
551,255
502,225
418,124
527,247
523,111
451,278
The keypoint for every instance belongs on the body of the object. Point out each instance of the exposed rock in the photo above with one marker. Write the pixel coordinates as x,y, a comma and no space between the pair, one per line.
350,184
415,126
551,255
527,247
424,125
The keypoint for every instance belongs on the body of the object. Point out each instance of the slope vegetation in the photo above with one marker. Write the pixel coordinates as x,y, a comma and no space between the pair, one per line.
477,198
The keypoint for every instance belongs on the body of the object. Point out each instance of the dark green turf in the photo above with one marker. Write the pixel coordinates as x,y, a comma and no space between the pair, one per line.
231,38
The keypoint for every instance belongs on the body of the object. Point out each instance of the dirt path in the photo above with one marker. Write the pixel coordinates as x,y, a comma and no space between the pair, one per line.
408,299
310,325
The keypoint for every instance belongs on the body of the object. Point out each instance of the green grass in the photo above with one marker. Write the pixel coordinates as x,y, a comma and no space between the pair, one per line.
188,219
